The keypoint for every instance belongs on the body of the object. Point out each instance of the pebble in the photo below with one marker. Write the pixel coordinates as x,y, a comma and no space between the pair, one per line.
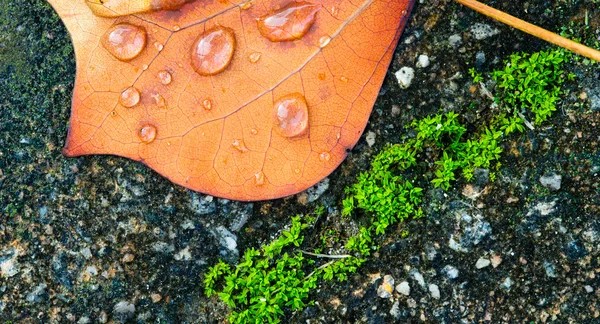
395,310
550,269
434,290
455,40
124,310
162,247
86,253
183,255
315,192
403,288
507,283
423,61
482,31
496,259
411,303
418,277
482,263
370,138
8,264
471,231
128,258
480,59
155,297
386,288
588,289
551,181
38,294
405,77
451,272
202,204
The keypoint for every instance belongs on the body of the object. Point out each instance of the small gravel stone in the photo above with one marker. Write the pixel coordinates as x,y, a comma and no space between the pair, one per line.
395,310
38,294
551,181
370,138
482,31
403,288
123,311
482,263
434,290
588,289
411,303
451,272
423,61
386,288
128,258
86,253
418,277
202,204
550,269
155,297
455,40
507,283
405,77
496,259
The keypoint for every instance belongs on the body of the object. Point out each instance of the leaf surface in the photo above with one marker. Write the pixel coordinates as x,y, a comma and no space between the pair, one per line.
219,133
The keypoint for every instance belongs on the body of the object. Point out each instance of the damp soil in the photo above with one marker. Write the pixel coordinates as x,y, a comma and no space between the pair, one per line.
101,238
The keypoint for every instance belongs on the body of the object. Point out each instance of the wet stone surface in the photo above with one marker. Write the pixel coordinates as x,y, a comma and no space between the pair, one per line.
99,239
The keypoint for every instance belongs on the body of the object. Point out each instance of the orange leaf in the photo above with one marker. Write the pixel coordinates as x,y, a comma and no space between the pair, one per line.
245,100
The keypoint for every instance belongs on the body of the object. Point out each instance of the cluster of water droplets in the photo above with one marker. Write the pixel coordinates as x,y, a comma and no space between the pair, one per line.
212,53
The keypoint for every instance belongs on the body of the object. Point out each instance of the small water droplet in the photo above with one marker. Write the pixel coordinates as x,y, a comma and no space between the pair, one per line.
159,47
259,178
113,113
207,104
297,171
404,12
159,100
145,67
253,131
290,115
324,41
247,5
289,23
240,145
343,79
130,97
180,64
124,41
147,133
338,135
165,77
335,11
176,28
213,50
324,157
254,57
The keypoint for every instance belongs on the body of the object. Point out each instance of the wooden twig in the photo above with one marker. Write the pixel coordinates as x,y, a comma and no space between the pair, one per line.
532,29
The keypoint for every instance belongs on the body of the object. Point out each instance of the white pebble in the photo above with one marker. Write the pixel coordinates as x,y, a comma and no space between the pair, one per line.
435,291
423,61
405,76
482,263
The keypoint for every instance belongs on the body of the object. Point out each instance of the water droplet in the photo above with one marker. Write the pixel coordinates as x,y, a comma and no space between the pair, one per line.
404,12
159,47
130,97
254,57
289,23
297,171
259,178
176,28
290,115
113,113
253,131
343,79
324,157
145,67
147,133
124,41
213,50
207,104
338,135
247,5
159,100
165,77
335,11
324,41
240,145
322,76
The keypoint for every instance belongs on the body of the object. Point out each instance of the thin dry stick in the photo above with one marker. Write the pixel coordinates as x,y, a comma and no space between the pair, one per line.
532,29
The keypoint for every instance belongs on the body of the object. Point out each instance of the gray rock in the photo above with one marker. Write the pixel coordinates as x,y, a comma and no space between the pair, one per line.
482,31
418,277
507,283
386,288
455,40
123,311
403,288
86,253
38,294
482,263
316,191
451,272
551,181
395,310
480,59
588,289
202,204
434,290
550,269
471,231
162,247
9,266
430,251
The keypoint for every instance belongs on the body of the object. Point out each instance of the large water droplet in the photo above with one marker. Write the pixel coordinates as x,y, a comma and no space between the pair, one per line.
247,5
147,133
289,23
240,145
324,156
165,77
159,100
159,47
207,104
335,11
290,115
124,41
259,178
130,97
213,50
254,57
